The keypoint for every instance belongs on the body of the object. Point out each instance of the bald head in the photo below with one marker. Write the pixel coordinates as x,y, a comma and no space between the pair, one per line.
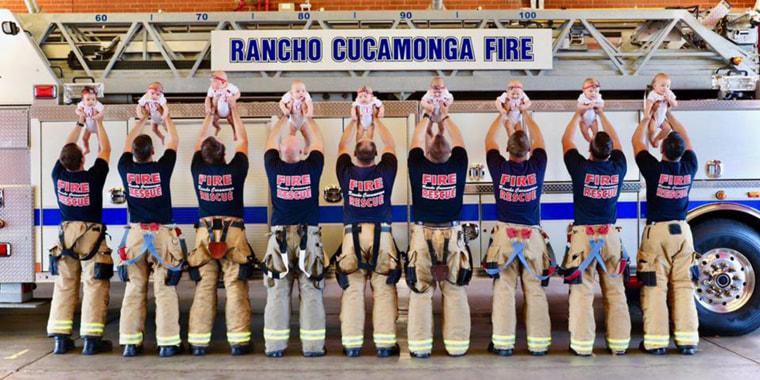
290,149
439,150
366,151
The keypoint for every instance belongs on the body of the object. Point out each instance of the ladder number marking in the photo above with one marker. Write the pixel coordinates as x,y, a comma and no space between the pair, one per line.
101,18
528,15
201,16
304,15
406,15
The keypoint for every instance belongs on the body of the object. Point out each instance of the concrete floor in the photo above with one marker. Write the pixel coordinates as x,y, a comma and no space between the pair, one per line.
25,352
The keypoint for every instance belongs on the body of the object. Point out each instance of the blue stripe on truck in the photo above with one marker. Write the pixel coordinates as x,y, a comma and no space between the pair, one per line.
334,214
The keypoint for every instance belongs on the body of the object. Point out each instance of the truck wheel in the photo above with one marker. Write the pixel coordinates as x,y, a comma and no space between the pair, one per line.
728,293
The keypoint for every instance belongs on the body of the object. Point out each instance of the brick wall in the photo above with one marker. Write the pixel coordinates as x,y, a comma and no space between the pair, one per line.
91,6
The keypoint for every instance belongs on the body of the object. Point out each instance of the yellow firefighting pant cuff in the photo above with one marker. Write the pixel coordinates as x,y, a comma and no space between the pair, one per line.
168,340
199,339
353,341
503,342
60,327
270,334
135,339
312,335
582,346
538,344
456,347
238,338
421,346
684,338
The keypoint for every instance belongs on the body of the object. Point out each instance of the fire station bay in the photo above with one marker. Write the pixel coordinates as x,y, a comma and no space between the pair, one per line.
399,188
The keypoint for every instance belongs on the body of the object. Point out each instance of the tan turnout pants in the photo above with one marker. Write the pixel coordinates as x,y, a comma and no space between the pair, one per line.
238,307
352,304
70,271
536,307
311,307
666,256
134,305
581,323
456,310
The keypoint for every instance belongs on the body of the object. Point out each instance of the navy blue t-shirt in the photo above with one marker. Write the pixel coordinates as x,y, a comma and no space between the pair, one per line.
294,188
437,189
517,186
80,194
596,186
668,185
149,197
367,191
219,187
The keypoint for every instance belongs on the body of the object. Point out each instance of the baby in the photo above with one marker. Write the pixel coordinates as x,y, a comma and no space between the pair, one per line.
589,101
664,98
364,108
435,98
512,102
154,103
220,94
297,105
90,111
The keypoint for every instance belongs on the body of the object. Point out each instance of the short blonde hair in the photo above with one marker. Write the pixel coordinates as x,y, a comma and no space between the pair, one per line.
660,76
514,83
593,81
219,74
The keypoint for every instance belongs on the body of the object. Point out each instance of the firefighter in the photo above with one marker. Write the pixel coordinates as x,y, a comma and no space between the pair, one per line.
666,255
294,252
518,246
150,243
437,251
220,241
368,250
594,241
81,252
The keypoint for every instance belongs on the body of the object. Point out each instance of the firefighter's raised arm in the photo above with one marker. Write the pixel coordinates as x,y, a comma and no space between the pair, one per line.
567,137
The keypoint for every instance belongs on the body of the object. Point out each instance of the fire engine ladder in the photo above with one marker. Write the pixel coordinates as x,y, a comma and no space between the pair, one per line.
622,48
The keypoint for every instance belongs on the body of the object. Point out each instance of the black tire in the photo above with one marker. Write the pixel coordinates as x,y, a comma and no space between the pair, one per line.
728,233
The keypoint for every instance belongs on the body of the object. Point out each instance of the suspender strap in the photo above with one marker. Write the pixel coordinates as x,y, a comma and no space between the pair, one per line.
148,239
225,228
355,230
596,255
211,227
431,251
303,231
282,243
376,246
70,251
446,250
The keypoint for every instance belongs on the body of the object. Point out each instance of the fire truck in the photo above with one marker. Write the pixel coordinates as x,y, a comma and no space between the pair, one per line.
48,58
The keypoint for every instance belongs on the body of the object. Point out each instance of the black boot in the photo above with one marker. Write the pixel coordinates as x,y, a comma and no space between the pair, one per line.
168,351
275,354
687,350
241,349
418,355
62,345
352,352
95,345
316,354
576,353
654,351
132,350
500,351
386,352
198,350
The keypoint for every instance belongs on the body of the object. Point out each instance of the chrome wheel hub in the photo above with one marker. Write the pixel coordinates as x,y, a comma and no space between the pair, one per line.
726,280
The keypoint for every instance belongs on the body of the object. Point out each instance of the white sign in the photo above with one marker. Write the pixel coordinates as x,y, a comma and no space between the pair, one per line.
390,49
